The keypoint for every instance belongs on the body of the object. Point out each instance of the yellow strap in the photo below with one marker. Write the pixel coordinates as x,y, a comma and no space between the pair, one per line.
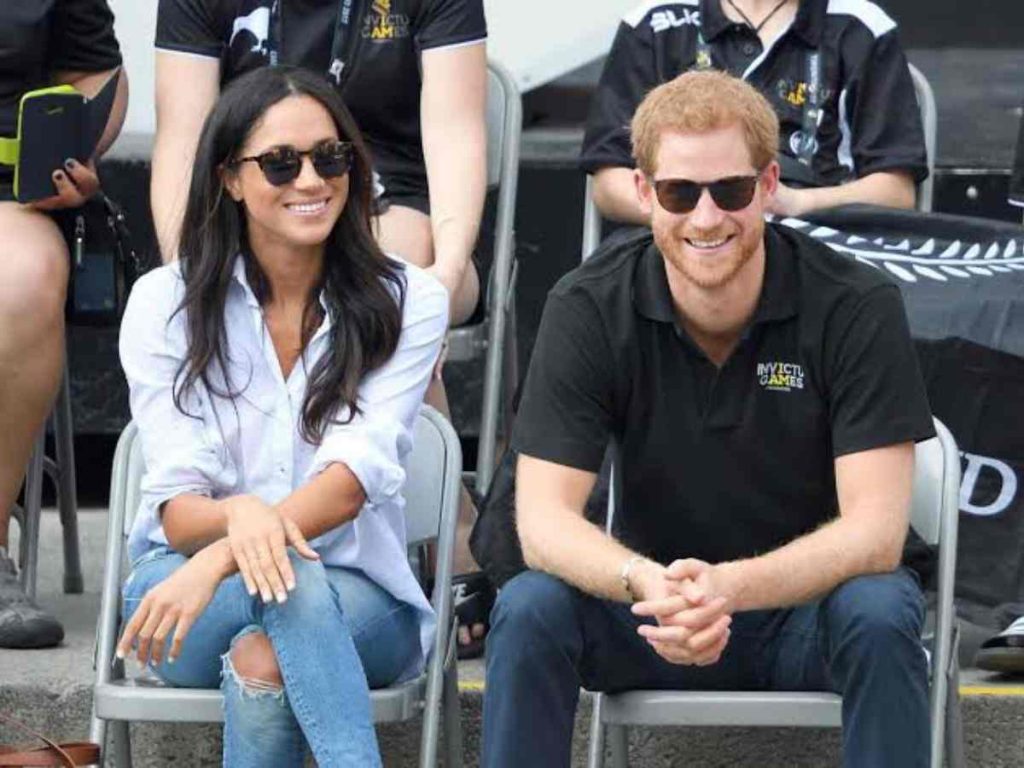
9,151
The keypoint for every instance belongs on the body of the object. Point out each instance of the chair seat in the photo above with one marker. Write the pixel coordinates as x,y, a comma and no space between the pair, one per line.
741,708
145,698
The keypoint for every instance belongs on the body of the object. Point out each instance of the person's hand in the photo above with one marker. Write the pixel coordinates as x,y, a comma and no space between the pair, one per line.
173,605
693,618
788,201
259,537
76,183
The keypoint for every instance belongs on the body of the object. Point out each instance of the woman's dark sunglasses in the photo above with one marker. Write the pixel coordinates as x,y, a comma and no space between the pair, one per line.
283,164
681,195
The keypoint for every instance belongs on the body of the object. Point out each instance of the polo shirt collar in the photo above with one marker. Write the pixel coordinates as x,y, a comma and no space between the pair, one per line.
713,20
808,24
778,300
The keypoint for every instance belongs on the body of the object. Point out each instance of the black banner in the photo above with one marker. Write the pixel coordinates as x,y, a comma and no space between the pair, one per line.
963,286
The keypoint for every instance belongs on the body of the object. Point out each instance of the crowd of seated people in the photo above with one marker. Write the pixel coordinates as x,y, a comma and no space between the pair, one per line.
318,180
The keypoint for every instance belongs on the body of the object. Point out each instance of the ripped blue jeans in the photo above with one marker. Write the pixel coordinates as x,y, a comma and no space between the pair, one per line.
337,636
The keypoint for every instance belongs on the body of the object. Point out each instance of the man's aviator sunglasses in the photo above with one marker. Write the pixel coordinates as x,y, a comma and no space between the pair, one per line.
282,165
733,193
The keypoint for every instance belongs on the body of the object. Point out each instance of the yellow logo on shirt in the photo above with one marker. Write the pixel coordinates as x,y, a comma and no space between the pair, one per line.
780,377
382,24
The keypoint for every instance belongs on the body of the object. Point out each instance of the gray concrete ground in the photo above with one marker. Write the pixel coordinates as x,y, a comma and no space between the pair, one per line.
50,690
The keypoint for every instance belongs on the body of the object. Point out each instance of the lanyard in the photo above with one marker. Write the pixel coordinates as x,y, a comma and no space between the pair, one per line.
340,41
812,103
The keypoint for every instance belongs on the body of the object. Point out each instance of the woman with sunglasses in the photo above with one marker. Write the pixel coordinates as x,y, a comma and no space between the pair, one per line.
275,374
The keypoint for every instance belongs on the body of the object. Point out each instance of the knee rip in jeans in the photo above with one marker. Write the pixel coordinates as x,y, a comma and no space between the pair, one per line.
251,687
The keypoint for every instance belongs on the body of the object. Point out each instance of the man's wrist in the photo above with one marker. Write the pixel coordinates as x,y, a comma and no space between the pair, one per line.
635,575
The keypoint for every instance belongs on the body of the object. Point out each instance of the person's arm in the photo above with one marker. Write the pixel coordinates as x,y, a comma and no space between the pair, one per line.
452,116
629,73
614,192
873,488
187,86
893,189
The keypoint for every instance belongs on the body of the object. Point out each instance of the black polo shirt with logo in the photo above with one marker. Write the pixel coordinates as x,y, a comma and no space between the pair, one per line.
723,463
870,120
41,37
382,82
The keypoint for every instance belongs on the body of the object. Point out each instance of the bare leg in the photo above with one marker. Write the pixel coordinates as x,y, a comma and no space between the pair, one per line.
33,286
406,233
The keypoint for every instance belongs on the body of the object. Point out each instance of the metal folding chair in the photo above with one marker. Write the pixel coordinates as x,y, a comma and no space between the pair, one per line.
61,471
934,515
431,493
494,338
929,121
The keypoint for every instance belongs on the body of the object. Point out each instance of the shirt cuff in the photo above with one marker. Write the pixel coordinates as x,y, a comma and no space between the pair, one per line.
372,458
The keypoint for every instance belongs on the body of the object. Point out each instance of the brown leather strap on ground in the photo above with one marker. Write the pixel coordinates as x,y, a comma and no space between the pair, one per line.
72,754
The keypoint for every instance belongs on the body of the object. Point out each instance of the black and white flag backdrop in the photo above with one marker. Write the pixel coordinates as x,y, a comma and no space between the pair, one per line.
963,286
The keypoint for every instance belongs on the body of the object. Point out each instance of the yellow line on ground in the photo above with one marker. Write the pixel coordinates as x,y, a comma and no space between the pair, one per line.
992,690
477,686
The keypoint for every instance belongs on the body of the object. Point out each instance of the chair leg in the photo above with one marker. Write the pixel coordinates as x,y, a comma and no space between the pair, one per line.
618,738
953,746
121,744
32,512
595,756
452,719
98,735
67,495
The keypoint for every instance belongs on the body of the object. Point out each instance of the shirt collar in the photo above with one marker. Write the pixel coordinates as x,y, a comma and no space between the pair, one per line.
241,279
778,301
808,24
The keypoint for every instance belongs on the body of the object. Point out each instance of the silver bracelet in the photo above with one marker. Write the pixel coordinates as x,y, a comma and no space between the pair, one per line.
624,574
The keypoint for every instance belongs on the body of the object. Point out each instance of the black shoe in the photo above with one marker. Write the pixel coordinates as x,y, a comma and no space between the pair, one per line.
23,624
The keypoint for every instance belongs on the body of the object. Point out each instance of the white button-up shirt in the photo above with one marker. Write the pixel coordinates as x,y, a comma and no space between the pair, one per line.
253,444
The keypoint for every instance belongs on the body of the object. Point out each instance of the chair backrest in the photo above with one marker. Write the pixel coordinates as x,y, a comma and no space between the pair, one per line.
929,121
499,89
434,459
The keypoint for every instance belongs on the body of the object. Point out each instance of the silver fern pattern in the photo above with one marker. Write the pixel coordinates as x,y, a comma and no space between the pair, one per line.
910,262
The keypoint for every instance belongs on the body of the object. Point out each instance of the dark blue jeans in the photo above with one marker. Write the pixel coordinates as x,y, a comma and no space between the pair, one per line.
862,641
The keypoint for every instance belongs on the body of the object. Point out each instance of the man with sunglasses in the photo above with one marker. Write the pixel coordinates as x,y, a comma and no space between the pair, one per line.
834,72
763,399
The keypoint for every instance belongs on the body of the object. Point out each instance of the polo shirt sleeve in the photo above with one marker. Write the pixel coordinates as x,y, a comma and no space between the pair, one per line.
1017,179
629,73
884,119
83,37
451,22
876,392
191,26
566,412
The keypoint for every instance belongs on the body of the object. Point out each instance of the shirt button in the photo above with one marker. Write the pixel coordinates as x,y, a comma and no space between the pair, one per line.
749,49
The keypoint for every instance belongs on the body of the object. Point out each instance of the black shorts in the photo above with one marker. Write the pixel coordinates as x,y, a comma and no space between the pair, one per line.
411,192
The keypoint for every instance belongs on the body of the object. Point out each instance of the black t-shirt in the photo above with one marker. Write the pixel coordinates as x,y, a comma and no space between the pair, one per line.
722,463
870,119
41,37
1017,179
381,85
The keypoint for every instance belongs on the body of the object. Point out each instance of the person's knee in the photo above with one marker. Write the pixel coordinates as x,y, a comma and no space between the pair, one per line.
533,605
33,266
877,610
254,664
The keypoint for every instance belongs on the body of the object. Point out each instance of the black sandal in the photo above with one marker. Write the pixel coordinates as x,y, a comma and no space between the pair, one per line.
474,598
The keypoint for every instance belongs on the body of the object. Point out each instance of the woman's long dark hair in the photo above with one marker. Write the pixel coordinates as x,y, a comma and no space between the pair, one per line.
366,315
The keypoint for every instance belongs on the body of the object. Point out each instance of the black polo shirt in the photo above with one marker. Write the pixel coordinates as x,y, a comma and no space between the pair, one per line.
41,37
1017,179
722,463
870,119
382,82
